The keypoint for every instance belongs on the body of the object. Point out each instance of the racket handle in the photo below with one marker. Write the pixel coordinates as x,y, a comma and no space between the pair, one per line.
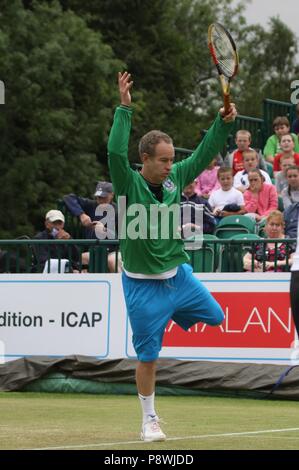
226,100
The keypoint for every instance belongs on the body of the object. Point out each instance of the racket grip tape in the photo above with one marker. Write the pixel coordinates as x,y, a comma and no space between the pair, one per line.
226,100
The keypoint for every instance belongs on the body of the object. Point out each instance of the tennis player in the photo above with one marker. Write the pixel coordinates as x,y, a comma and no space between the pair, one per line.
294,288
157,280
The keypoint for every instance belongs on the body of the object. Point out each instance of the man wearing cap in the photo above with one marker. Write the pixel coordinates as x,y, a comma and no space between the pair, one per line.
54,230
98,216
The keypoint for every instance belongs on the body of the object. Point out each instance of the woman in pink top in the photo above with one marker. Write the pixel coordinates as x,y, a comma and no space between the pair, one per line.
207,181
260,198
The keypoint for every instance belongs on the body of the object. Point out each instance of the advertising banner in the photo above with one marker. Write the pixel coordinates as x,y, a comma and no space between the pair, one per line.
69,314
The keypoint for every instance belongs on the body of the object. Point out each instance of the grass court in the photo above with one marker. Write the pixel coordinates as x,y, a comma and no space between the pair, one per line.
109,422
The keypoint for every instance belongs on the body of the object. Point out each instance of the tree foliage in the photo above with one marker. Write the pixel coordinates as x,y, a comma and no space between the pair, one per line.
59,81
269,65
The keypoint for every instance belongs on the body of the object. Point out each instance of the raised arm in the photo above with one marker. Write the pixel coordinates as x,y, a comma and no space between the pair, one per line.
124,85
118,142
211,145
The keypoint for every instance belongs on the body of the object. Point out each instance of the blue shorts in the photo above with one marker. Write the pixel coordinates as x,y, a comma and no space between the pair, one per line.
152,303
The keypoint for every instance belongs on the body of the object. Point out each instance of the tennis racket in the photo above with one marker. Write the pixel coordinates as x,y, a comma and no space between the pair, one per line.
225,56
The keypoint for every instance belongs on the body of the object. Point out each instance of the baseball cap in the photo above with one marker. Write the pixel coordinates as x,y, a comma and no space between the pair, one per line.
54,216
103,189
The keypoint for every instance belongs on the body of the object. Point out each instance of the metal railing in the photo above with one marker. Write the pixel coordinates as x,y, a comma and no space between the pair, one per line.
31,256
23,256
252,124
274,108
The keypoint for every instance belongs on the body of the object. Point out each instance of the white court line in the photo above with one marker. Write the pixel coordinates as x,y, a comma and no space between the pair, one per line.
200,436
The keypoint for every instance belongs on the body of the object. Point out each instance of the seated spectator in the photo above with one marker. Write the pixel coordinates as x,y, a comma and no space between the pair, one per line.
260,198
207,181
54,230
295,123
281,127
191,199
265,254
290,194
281,181
287,150
226,200
291,218
250,159
235,158
91,212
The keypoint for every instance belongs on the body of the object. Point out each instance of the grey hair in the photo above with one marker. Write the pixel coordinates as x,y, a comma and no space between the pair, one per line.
149,141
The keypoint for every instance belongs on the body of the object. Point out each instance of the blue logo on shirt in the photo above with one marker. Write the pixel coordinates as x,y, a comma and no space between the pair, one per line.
169,185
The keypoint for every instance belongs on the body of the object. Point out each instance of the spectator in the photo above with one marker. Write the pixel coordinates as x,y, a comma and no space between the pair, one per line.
235,159
207,181
265,254
281,181
295,123
260,198
99,218
291,219
226,200
290,194
250,158
281,127
54,230
191,199
287,150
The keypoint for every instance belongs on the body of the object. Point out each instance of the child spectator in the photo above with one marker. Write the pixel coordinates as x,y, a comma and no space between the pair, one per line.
281,180
226,200
250,158
235,159
290,194
207,181
287,145
281,127
260,198
191,199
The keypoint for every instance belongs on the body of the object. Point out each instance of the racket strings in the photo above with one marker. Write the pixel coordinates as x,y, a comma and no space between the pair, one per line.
224,51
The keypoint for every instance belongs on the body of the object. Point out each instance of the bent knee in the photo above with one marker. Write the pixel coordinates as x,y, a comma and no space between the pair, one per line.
218,317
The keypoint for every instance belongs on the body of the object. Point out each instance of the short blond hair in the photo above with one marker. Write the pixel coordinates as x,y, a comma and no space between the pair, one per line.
287,157
276,214
243,132
250,152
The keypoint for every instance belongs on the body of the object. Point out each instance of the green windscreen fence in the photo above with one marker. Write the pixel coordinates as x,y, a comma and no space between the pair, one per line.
272,109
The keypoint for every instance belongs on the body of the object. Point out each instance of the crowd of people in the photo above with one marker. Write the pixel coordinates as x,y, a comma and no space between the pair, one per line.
262,184
251,182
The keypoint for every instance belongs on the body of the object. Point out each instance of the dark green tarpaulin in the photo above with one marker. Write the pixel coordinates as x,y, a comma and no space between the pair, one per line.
86,374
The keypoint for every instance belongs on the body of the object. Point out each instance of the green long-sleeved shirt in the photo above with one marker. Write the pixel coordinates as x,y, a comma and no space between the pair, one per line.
148,253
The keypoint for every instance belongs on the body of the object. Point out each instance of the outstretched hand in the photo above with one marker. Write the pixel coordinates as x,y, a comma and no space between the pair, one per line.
124,85
231,116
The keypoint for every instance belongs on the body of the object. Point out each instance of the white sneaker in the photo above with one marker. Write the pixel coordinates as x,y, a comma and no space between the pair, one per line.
151,430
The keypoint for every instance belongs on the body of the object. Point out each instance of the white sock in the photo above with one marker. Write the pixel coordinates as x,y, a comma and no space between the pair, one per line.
147,405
